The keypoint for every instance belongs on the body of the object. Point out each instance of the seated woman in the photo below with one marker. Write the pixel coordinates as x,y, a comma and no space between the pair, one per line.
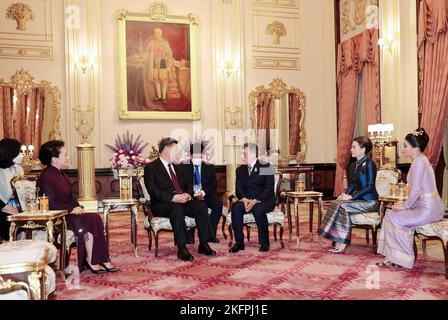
361,197
423,206
10,158
88,227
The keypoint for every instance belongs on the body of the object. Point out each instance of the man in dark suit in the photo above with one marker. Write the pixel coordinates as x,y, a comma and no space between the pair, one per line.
255,191
172,196
203,177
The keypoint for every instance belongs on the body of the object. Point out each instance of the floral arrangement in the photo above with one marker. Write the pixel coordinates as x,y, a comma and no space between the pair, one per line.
277,30
128,153
20,12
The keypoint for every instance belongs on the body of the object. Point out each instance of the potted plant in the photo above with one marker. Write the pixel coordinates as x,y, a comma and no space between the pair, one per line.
127,155
21,12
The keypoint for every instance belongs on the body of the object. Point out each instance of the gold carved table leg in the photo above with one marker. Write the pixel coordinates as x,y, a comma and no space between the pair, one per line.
319,216
288,215
296,208
311,219
50,230
12,231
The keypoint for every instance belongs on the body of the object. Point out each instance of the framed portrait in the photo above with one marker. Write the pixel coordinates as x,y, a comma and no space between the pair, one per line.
158,65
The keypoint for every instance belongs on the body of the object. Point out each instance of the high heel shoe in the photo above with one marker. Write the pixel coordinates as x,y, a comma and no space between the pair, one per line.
99,271
113,269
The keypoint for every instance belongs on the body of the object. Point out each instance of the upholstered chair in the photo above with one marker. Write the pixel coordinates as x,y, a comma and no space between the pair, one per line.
25,270
276,218
21,186
371,221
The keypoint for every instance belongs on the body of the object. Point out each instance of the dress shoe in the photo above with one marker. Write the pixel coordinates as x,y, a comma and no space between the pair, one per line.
113,269
184,255
205,249
190,241
264,248
216,240
94,271
237,247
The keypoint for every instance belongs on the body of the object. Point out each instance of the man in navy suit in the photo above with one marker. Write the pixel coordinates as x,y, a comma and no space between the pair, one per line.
172,197
255,191
202,175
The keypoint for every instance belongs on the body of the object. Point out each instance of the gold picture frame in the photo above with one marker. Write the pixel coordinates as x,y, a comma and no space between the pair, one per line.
144,91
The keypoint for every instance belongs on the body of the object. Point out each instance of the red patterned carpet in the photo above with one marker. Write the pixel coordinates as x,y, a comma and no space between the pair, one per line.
307,272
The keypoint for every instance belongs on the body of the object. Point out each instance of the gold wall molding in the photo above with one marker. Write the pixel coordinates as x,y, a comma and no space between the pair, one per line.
290,4
276,63
45,33
280,23
27,53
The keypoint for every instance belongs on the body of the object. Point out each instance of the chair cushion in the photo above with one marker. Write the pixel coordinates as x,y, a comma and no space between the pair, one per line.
363,219
162,223
27,251
159,223
15,295
70,237
274,217
438,229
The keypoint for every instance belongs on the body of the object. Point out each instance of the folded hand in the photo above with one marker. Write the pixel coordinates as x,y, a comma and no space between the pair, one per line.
78,210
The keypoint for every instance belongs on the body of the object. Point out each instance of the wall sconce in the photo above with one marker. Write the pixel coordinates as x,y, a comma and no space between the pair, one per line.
84,62
228,68
386,43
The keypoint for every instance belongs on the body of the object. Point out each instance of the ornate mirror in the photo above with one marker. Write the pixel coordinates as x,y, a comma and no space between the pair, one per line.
30,111
282,109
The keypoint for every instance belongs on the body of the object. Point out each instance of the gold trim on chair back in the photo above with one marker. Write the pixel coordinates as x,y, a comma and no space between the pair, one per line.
7,287
384,177
21,185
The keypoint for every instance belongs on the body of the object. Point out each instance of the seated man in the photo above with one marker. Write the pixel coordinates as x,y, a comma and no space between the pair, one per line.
172,196
255,191
203,177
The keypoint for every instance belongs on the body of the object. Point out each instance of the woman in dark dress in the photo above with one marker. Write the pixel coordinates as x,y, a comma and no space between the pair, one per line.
361,197
88,227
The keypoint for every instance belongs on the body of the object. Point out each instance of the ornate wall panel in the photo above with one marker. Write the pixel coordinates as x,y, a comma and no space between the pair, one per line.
26,29
276,34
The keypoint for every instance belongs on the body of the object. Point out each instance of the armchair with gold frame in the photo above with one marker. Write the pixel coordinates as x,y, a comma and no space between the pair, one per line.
22,185
24,266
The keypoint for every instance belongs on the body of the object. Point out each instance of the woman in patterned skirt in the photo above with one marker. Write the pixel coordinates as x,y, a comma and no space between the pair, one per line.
361,197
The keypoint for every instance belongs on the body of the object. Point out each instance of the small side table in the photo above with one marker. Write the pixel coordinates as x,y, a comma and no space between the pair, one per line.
47,220
303,197
119,205
387,202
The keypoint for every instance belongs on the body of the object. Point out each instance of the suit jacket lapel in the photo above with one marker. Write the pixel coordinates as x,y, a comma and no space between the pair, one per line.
255,169
164,172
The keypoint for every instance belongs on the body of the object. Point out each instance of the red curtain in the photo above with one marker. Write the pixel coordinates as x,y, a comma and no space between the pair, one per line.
23,122
356,55
433,73
265,120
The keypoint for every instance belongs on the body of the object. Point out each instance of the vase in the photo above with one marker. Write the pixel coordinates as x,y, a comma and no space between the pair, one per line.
21,24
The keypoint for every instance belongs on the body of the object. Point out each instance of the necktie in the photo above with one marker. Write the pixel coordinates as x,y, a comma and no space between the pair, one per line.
197,175
174,179
249,169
